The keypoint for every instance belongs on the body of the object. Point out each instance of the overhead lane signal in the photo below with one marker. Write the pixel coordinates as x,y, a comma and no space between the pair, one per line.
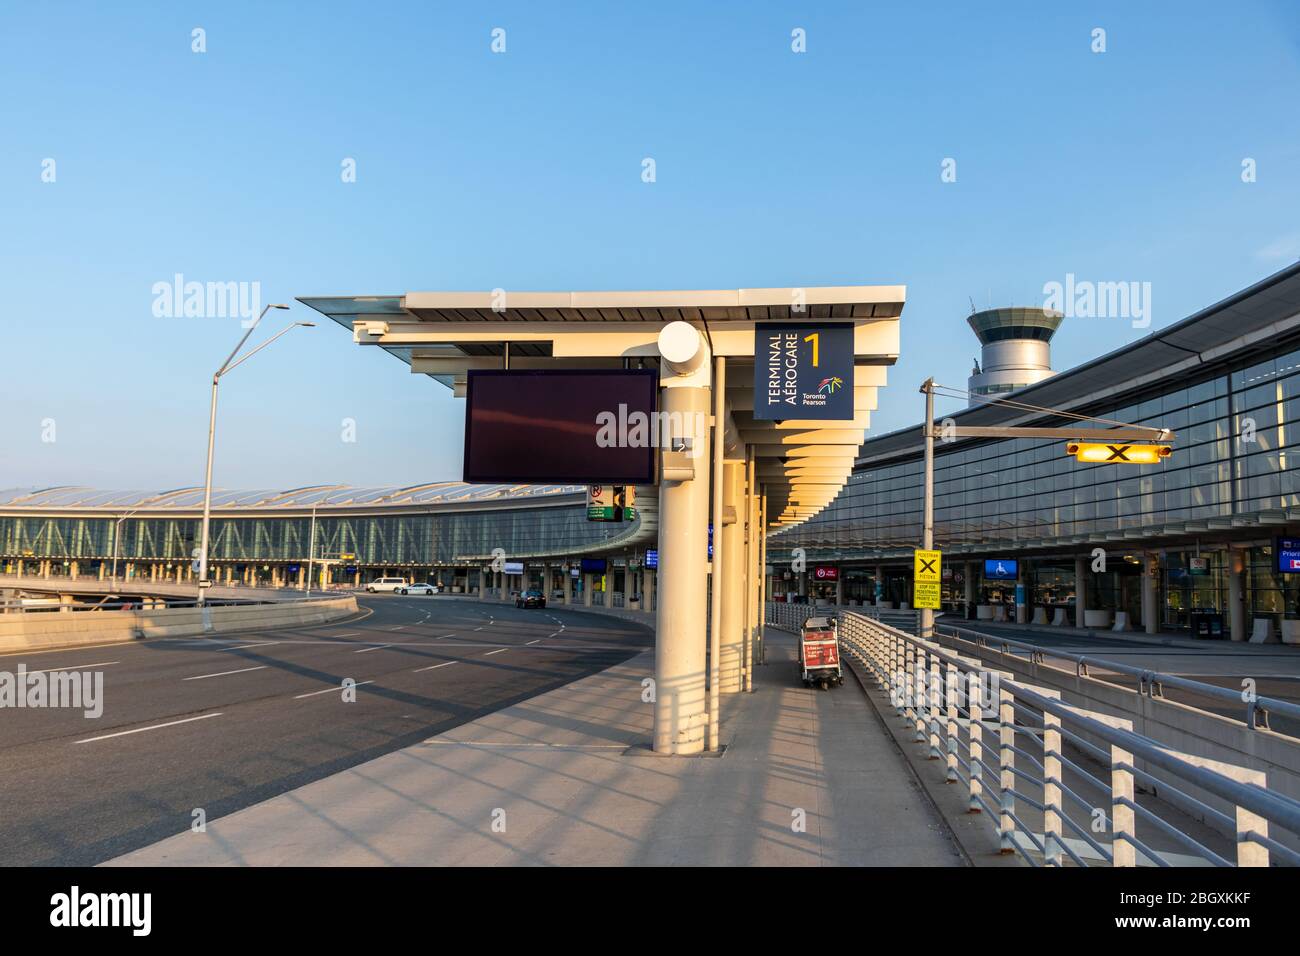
1117,453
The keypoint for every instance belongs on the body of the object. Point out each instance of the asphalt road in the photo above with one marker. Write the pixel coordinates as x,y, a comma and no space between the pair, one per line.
219,724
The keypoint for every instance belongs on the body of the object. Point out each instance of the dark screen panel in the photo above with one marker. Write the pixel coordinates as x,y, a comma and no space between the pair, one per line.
541,426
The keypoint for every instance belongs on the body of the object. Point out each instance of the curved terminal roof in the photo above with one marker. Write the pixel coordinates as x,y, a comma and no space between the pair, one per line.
322,496
1015,322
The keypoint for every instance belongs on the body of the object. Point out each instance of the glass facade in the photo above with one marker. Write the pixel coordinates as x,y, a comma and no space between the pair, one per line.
409,539
1237,453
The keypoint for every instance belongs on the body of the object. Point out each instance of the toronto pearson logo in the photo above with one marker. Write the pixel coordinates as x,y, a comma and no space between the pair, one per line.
830,386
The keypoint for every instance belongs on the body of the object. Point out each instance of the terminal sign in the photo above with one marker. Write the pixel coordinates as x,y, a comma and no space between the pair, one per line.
803,371
927,572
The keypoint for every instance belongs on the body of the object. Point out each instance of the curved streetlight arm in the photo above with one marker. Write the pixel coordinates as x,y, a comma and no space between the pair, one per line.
231,366
225,366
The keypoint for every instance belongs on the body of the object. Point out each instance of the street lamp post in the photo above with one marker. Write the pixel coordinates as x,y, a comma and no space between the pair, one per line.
228,365
311,551
117,533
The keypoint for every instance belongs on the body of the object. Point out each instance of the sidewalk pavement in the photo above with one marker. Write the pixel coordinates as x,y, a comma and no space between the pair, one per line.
552,781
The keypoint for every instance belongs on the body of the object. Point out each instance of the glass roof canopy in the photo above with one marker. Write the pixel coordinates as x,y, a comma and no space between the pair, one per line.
322,496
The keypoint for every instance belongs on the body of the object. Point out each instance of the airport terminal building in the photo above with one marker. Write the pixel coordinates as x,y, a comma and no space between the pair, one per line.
1198,532
445,532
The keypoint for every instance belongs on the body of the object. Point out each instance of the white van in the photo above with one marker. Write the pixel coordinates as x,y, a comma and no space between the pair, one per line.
386,584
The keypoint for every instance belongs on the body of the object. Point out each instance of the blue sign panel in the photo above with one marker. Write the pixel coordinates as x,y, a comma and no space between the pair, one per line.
1288,555
594,565
1000,569
652,559
803,370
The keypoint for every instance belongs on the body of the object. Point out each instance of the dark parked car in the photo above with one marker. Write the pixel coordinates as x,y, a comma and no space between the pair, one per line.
531,598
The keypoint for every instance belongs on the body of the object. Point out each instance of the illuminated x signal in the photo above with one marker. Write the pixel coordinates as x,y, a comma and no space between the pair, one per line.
1117,454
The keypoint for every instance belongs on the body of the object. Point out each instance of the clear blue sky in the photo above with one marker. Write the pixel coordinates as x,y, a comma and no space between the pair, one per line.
523,171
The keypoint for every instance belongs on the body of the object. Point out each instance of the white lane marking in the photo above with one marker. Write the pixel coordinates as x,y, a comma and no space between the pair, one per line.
553,633
242,670
478,628
434,667
375,648
240,647
497,651
397,628
140,730
73,667
329,690
531,643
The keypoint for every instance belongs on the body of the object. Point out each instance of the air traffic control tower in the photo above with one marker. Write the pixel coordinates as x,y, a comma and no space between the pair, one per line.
1016,349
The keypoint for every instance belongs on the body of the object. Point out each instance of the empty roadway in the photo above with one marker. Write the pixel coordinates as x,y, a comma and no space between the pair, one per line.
219,724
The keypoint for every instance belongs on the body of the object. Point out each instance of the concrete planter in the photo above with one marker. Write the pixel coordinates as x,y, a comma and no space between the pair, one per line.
984,612
1093,618
1291,632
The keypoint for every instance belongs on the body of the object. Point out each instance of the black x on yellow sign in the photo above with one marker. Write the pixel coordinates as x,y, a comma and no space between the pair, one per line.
1117,454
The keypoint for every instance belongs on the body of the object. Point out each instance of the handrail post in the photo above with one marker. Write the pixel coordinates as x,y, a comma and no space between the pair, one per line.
935,685
975,739
918,692
951,685
1250,853
1052,788
1006,767
909,683
1123,821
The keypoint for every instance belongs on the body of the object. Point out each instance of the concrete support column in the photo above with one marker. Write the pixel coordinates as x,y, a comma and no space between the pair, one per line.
1150,594
839,587
1022,592
971,592
648,590
586,588
1080,590
731,589
568,587
680,707
101,570
1236,596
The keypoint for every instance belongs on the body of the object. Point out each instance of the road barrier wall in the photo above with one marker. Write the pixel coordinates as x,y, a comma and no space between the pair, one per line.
42,630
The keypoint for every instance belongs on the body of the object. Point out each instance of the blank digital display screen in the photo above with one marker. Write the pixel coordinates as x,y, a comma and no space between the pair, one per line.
543,426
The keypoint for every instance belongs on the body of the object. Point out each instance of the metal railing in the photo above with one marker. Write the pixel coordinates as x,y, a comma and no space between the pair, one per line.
1061,783
1150,683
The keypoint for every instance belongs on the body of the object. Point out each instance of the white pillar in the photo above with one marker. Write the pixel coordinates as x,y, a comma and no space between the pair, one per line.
648,590
586,588
568,587
732,638
680,707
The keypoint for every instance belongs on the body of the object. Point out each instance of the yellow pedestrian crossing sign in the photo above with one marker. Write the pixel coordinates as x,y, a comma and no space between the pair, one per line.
927,572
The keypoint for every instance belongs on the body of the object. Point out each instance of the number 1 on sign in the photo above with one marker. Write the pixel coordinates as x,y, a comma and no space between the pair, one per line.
813,338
